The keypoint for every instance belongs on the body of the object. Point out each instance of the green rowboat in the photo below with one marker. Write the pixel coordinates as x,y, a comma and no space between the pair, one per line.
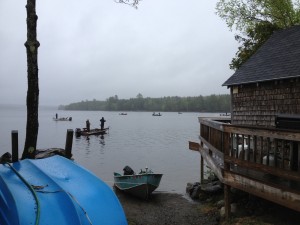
140,185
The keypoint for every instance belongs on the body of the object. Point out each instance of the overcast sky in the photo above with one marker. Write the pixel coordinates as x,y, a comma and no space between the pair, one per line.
94,49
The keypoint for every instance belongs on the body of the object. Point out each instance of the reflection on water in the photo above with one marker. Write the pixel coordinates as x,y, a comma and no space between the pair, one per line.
138,139
102,142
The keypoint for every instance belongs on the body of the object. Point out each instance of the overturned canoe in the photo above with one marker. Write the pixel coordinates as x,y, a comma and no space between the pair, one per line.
55,190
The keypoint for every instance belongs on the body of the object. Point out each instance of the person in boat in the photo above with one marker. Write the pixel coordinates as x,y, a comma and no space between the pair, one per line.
56,116
102,121
88,125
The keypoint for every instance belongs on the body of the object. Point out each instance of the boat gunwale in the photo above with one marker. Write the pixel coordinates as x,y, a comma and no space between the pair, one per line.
137,175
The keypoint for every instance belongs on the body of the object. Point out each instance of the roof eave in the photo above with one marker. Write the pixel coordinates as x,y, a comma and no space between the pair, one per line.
259,81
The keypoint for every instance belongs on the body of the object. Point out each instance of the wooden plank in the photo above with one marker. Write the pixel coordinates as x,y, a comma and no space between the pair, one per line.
227,201
249,148
261,150
291,175
226,143
263,132
194,146
212,148
277,195
254,148
211,163
211,122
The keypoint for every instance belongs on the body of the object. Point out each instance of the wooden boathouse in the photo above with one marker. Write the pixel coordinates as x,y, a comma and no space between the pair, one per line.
257,150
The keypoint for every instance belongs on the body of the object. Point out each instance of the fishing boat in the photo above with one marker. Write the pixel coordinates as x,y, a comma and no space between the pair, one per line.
123,114
140,185
55,190
97,131
156,114
63,119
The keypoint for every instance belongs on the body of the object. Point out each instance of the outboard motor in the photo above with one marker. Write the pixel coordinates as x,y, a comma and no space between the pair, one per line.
128,171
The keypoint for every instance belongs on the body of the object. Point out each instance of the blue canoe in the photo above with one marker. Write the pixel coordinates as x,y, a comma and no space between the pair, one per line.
55,190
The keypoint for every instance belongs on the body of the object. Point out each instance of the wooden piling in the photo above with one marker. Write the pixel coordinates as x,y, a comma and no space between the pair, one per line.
201,169
227,201
227,148
14,146
69,142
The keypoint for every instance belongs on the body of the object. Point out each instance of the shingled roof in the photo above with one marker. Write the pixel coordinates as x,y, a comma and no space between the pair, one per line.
278,58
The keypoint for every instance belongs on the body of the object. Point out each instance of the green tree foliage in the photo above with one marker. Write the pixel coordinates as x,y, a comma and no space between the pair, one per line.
212,103
256,20
255,38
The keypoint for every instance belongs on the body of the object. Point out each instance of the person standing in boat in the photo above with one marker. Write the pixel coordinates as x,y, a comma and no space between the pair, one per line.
102,121
88,125
56,116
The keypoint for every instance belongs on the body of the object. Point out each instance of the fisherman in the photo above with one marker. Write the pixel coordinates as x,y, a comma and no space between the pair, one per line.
88,125
56,115
102,121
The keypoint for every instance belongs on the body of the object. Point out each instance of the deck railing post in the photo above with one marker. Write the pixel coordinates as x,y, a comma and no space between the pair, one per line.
14,145
69,142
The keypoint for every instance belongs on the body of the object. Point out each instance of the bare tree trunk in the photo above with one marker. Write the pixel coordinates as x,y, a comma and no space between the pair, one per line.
32,101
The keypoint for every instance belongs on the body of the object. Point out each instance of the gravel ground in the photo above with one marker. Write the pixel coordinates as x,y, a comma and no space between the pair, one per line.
175,209
165,209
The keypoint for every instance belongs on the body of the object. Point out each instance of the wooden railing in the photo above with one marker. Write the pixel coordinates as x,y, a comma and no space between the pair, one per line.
261,161
245,149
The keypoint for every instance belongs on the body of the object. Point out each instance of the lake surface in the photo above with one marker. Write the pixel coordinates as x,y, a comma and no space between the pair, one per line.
137,139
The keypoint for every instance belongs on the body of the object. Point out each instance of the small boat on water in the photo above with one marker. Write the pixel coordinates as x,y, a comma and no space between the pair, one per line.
123,114
63,119
97,131
156,114
225,114
140,185
55,190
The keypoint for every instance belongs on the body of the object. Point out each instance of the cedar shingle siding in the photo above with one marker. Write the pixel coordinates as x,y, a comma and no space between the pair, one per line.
257,105
269,82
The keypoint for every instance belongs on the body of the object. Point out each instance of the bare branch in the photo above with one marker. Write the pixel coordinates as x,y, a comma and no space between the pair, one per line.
133,3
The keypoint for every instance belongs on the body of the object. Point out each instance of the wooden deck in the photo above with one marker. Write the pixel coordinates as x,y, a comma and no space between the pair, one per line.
262,161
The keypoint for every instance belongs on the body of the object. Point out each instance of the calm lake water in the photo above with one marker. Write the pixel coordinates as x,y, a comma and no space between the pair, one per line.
137,139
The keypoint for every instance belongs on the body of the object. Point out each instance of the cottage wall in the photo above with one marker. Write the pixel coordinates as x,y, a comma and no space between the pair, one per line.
257,104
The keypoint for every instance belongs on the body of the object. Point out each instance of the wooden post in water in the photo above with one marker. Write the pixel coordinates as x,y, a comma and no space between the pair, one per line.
69,142
14,146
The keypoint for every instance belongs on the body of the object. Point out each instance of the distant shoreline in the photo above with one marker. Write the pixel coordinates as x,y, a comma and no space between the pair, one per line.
19,106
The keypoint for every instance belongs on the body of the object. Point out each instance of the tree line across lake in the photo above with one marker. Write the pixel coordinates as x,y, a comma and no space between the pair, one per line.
212,103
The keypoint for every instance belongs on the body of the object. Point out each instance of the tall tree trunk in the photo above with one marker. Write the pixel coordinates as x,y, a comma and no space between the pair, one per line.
32,100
